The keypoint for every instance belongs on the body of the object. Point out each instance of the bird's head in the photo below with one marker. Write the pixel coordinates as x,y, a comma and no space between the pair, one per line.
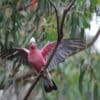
32,43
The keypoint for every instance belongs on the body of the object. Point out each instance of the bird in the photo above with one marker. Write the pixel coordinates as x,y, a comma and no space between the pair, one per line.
37,58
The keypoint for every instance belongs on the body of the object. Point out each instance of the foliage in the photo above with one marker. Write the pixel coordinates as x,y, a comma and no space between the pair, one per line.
78,77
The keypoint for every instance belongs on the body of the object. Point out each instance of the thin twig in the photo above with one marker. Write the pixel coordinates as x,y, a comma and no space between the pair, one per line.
66,10
94,39
88,44
57,17
69,6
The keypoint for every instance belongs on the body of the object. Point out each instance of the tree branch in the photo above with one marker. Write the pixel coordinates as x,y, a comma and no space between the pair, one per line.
88,44
66,10
94,39
57,17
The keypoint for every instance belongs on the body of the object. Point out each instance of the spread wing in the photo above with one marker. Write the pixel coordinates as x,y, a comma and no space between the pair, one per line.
66,48
19,54
48,48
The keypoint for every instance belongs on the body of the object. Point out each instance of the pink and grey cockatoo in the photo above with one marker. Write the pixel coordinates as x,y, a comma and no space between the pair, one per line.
37,58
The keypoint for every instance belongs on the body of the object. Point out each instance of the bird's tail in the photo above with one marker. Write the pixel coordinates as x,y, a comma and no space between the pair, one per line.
49,85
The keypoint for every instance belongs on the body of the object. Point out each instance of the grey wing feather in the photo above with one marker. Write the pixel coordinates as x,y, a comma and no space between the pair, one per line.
66,48
15,53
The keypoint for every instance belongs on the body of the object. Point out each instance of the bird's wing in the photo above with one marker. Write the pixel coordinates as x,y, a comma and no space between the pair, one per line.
66,48
19,54
48,48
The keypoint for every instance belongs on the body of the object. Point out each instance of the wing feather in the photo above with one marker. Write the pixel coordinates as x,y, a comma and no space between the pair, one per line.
66,48
48,48
15,53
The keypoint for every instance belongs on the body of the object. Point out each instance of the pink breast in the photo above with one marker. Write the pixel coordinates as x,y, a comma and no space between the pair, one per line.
37,60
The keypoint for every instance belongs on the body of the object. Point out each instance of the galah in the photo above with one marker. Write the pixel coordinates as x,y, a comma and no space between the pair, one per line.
37,58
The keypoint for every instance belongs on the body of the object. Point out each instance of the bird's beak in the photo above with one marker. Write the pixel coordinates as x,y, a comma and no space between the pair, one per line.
32,44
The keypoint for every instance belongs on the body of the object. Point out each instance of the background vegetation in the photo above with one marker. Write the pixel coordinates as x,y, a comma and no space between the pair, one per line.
78,78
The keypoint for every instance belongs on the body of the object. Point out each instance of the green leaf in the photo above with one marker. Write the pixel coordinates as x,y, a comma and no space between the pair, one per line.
2,81
85,22
95,92
98,2
81,77
93,5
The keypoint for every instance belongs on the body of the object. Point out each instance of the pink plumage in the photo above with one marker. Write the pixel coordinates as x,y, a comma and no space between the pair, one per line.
35,57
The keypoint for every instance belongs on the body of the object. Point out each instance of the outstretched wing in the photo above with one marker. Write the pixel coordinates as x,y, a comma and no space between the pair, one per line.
48,48
19,54
66,48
